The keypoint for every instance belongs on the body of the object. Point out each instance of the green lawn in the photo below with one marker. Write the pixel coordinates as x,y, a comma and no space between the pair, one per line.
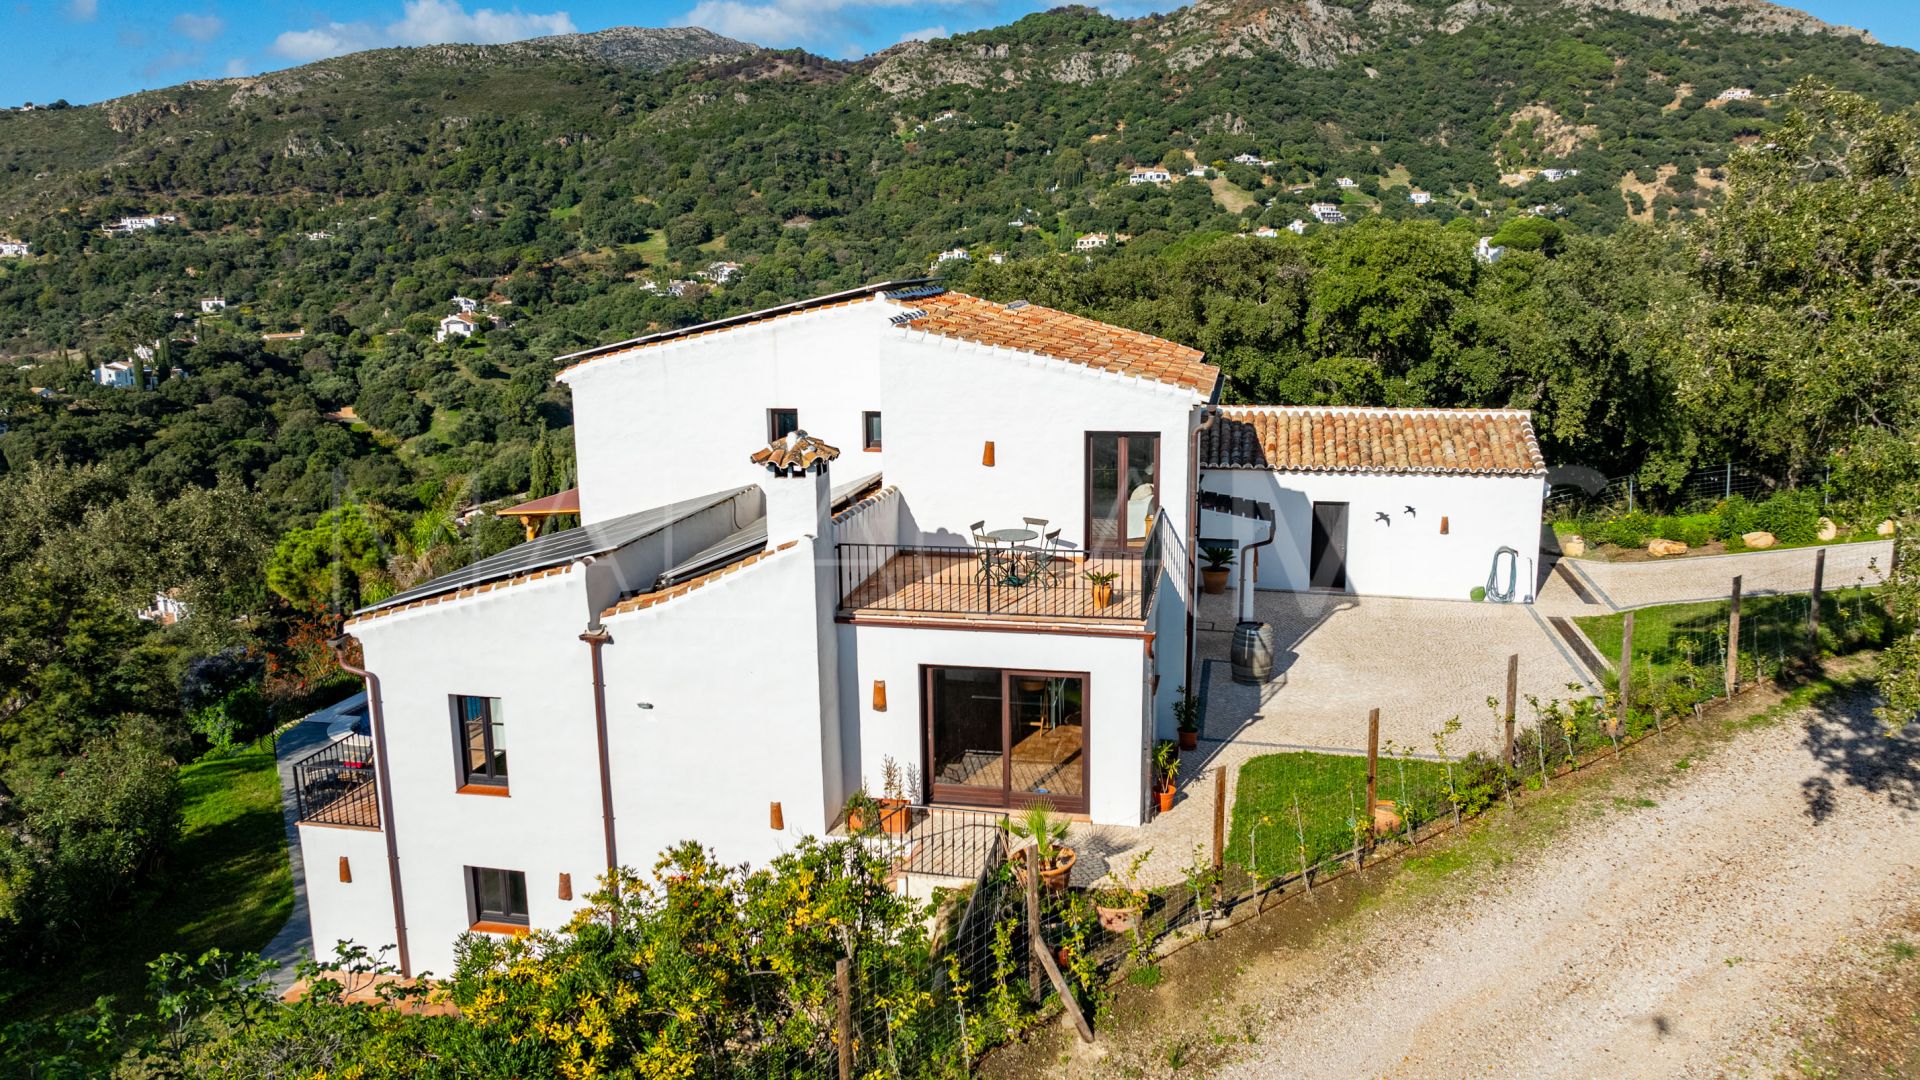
227,886
1331,791
1667,639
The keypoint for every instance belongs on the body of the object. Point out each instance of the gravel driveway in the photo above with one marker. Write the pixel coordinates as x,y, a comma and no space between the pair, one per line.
1677,939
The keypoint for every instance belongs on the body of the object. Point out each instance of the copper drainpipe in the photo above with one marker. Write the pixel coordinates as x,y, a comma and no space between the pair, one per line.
383,779
596,637
1208,414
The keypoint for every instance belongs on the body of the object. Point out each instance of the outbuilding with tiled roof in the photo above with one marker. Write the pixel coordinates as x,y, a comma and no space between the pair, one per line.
1430,503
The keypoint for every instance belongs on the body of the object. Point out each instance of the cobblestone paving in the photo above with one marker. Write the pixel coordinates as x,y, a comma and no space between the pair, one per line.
1638,584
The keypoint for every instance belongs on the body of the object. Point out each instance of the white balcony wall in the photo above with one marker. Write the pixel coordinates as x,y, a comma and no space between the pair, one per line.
361,910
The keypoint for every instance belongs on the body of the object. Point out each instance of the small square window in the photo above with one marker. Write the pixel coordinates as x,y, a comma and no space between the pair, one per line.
497,896
480,741
782,423
870,430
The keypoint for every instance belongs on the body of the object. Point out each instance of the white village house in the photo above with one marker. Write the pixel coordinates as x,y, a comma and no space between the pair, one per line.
1090,241
458,324
870,543
14,249
1149,176
212,305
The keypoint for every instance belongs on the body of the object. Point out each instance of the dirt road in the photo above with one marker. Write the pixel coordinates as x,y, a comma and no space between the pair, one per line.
1689,918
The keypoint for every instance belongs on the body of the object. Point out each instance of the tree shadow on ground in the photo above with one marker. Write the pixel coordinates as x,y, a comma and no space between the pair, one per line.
1855,750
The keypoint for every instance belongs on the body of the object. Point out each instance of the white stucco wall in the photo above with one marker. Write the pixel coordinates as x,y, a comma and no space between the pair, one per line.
1410,557
679,419
360,911
1116,726
521,645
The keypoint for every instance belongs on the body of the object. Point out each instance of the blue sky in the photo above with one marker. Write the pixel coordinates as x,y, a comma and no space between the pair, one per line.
88,50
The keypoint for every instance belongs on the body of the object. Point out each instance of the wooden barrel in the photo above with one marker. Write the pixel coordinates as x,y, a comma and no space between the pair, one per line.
1253,646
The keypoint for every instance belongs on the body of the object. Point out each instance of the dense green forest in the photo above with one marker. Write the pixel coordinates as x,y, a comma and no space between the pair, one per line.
1722,279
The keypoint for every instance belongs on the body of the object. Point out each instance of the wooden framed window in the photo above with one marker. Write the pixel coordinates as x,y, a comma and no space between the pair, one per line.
870,431
479,742
782,423
496,899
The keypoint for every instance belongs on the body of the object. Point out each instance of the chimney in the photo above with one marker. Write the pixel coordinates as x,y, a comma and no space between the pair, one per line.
799,494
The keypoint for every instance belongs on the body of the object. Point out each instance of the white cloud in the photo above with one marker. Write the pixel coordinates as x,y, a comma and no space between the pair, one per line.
925,34
198,27
83,10
236,67
422,22
793,22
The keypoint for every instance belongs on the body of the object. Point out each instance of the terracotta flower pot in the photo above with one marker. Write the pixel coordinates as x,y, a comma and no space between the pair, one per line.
1102,594
1214,581
1053,877
1166,795
1118,920
1386,818
1189,740
895,818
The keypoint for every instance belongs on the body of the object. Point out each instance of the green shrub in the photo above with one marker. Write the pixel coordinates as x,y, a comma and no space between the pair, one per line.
1793,517
1733,518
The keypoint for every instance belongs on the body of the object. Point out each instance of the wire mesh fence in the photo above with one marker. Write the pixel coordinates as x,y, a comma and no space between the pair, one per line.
1571,494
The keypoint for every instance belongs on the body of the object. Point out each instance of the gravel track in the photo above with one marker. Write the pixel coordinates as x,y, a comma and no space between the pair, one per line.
1692,937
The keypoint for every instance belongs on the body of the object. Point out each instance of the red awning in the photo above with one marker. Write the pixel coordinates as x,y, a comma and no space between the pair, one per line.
566,502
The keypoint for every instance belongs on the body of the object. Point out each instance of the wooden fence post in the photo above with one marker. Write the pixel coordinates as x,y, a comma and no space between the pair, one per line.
1733,640
843,989
1626,673
1033,923
1219,833
1513,694
1813,609
1373,767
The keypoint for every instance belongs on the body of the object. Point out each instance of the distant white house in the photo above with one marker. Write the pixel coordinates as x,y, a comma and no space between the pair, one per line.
1249,159
1419,198
1326,213
464,303
1297,227
1734,93
1091,241
1485,250
319,234
14,249
1345,182
1554,176
1198,172
1149,176
212,305
118,374
997,258
720,272
127,226
1266,232
166,609
459,324
1544,209
958,254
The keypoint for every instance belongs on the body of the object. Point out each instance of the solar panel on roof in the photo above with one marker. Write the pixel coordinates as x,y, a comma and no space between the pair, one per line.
748,540
557,549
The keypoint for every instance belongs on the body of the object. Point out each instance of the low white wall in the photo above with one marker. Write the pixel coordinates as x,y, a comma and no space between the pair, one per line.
1409,557
1115,668
360,911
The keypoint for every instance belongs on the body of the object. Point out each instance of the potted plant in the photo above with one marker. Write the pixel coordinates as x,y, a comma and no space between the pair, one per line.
1102,581
1121,899
1046,851
863,813
894,815
1166,769
1213,576
1186,712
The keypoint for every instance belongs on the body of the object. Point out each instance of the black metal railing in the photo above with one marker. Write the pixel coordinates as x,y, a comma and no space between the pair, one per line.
1002,581
335,785
935,841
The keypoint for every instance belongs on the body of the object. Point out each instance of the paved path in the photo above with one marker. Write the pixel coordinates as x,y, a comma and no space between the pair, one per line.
294,942
1578,586
1681,938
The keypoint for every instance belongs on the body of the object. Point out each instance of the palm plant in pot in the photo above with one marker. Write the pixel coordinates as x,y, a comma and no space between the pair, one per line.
1045,832
1121,898
1102,582
1213,576
1166,770
1186,712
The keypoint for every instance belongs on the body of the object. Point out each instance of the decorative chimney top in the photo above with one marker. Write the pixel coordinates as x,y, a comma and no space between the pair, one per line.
795,453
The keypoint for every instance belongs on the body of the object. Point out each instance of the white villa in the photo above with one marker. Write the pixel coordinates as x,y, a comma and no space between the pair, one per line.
212,305
1345,182
1326,213
14,249
459,324
1735,93
1251,159
118,374
1554,176
1149,176
841,532
1419,198
958,254
1297,227
127,226
1091,241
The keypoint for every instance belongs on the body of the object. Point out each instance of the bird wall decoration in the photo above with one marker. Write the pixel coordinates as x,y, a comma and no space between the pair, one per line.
1411,512
1381,515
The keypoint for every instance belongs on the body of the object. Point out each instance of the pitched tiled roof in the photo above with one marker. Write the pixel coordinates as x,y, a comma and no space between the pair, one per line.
643,601
458,594
794,452
1490,442
1062,336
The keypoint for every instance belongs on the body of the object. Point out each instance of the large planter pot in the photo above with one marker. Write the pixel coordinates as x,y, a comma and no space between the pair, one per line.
1189,740
1165,795
1102,593
1386,818
856,821
1053,877
895,818
1118,920
1214,581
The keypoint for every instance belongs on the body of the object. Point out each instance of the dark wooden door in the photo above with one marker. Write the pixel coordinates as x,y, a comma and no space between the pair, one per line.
1329,556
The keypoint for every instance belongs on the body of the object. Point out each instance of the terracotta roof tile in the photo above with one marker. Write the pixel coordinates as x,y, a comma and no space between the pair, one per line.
1072,338
459,594
1490,442
647,600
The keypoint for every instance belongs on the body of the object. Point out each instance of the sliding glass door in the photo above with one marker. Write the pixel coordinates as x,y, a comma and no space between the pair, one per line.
1007,738
1123,487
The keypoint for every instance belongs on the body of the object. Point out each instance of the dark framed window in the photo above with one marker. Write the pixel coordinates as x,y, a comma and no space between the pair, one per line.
870,430
782,423
479,741
496,896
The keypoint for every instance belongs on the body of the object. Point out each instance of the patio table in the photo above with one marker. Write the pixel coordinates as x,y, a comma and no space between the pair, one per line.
1012,564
